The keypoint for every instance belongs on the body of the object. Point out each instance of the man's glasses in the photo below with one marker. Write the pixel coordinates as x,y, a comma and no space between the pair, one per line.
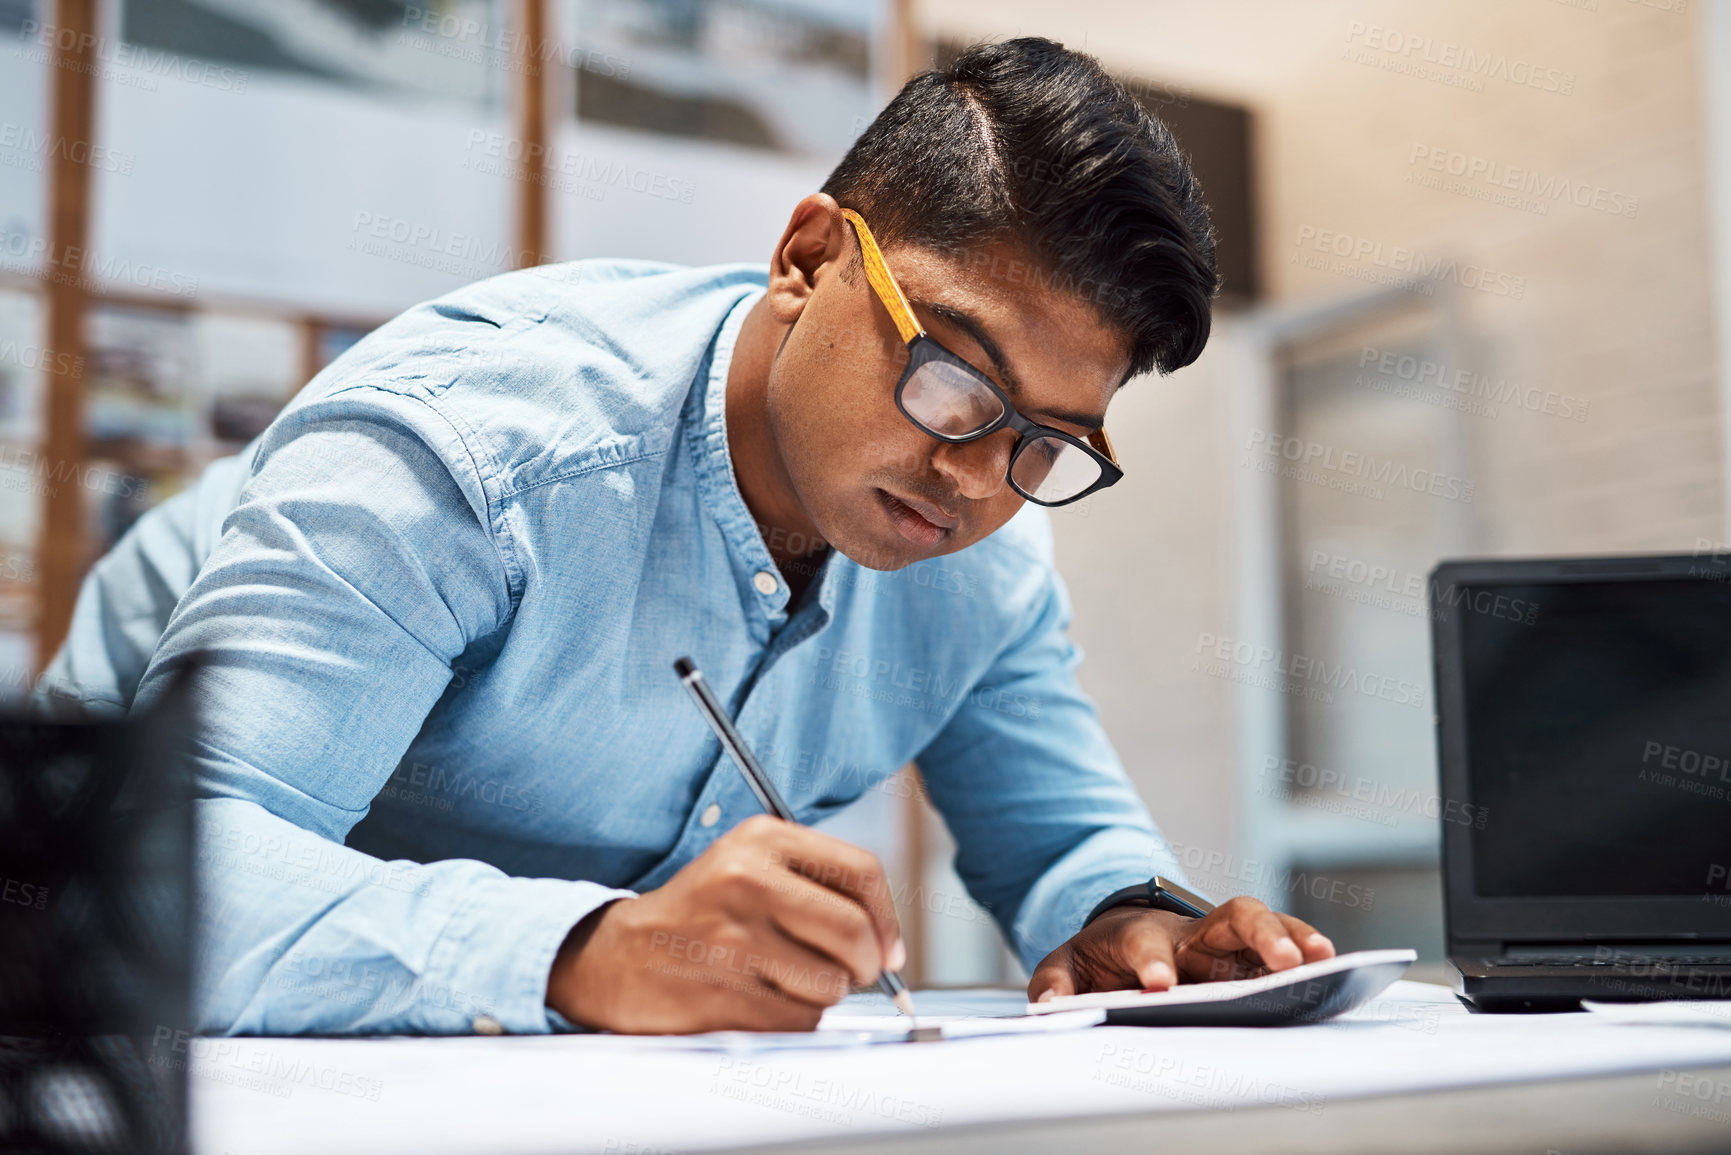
951,400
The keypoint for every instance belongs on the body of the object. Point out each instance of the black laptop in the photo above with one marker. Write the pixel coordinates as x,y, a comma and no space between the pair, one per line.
1584,725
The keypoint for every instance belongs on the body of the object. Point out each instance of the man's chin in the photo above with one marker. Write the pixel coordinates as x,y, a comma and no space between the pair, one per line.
879,553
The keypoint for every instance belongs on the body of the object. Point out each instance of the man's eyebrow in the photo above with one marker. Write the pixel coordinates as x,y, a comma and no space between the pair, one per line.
970,325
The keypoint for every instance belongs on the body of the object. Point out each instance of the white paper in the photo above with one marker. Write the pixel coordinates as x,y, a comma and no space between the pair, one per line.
868,1019
969,1002
934,1028
1682,1012
842,1031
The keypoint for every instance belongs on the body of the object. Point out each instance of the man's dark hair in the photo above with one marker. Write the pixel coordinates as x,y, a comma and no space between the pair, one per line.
1029,143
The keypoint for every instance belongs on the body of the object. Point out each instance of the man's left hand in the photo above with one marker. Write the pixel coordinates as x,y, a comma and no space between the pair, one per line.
1134,948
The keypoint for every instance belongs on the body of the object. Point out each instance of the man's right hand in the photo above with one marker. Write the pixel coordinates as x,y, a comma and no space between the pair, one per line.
762,931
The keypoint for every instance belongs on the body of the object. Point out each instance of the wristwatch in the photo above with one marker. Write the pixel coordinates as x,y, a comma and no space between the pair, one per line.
1155,894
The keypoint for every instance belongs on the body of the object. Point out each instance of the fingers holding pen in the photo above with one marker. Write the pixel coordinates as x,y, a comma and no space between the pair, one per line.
829,923
849,872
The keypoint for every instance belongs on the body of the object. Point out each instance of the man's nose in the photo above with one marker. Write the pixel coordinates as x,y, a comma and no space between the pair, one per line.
977,468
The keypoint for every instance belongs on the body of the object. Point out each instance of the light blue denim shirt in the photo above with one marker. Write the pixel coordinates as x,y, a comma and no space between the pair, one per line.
440,599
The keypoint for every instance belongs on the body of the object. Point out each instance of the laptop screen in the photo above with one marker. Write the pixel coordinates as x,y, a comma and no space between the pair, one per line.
1598,736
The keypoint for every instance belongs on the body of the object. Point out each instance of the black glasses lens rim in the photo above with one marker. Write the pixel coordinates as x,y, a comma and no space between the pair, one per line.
923,348
1109,473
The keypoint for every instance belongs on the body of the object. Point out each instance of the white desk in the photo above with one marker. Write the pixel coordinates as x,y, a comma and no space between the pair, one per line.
1098,1088
1612,1115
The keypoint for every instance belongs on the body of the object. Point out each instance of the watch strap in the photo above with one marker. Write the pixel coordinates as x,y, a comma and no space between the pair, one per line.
1156,894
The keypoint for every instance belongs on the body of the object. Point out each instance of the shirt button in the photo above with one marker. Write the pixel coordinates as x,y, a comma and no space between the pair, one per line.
711,814
486,1025
765,582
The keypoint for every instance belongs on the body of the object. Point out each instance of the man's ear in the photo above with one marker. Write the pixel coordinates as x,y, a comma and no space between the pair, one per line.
816,236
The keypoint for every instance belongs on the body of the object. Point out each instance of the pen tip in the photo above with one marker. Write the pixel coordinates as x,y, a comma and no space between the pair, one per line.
683,667
905,1003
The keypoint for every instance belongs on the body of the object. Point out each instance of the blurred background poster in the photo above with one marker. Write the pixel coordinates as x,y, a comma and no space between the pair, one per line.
1474,302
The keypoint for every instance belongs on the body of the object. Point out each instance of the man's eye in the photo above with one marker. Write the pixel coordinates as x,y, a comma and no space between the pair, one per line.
1046,450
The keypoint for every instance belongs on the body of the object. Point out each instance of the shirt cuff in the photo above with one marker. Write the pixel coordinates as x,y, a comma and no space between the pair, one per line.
1061,898
497,950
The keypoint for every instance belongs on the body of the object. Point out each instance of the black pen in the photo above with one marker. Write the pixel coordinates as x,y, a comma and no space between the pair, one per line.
710,706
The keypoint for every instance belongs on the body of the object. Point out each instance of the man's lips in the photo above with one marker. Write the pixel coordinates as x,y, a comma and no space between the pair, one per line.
936,514
920,522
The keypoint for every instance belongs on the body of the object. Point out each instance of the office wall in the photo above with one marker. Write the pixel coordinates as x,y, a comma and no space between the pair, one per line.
1567,219
1149,565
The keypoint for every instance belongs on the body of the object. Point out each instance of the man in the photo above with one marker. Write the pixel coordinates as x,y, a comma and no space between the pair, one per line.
448,779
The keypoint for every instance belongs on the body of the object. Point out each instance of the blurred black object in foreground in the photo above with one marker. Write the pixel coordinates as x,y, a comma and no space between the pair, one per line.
95,931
